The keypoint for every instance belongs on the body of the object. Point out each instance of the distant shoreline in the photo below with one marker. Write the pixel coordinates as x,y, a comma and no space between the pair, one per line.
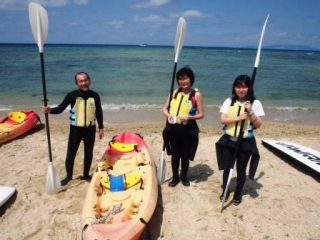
253,48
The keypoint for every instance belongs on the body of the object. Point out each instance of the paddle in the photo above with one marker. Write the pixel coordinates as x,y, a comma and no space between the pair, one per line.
179,40
39,25
251,95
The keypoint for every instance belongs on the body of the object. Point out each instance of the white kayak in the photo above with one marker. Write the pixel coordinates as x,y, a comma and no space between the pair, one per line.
302,154
5,194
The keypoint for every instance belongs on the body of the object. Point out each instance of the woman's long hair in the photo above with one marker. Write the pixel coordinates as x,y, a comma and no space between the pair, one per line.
242,80
186,70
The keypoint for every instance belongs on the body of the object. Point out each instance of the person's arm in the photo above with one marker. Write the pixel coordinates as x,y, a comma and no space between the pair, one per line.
60,108
255,120
226,119
101,133
165,108
255,113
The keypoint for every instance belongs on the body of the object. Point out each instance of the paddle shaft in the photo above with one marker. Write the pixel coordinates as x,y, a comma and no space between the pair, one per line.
45,102
171,93
172,83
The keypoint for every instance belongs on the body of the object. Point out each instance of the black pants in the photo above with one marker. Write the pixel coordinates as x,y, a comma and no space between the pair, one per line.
180,153
76,135
241,165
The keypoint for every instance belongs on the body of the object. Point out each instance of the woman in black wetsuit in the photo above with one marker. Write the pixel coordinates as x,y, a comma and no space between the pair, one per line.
181,133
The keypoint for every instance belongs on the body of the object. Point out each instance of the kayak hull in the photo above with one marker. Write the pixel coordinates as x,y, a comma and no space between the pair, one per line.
111,212
10,129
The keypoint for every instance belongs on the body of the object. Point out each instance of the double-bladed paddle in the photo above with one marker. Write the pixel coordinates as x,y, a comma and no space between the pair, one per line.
238,144
38,17
179,40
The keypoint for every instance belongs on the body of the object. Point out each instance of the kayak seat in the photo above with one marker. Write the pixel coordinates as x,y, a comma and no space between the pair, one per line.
117,183
123,147
17,117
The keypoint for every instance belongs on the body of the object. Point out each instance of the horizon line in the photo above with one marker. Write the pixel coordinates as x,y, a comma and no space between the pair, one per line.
278,47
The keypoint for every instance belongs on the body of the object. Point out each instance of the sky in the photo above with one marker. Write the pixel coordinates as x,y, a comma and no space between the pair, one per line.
210,23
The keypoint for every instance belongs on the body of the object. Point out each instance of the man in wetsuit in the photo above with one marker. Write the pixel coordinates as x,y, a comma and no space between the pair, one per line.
85,109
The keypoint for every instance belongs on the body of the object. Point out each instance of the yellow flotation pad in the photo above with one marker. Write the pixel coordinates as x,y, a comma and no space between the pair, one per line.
123,147
17,117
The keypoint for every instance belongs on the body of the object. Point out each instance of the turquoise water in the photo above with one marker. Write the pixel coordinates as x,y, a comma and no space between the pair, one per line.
133,77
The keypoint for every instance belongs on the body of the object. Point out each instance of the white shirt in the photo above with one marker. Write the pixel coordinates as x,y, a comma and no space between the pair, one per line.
256,107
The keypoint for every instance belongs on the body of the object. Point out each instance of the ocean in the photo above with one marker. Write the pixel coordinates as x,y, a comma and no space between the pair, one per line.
139,78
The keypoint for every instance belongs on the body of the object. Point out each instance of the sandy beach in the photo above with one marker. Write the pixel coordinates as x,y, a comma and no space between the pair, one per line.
282,202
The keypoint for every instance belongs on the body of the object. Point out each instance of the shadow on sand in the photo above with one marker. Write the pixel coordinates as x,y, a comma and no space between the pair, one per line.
153,227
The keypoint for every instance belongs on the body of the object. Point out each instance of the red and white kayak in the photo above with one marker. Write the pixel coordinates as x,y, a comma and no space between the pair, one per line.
123,192
16,124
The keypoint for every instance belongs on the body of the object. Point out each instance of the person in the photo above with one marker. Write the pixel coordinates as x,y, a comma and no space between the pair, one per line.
181,134
85,110
242,106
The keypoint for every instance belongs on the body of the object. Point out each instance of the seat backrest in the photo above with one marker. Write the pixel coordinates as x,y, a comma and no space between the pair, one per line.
17,117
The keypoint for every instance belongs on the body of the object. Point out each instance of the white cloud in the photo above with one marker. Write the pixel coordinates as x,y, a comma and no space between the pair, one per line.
80,2
282,34
53,3
116,23
192,13
153,19
23,4
152,3
13,4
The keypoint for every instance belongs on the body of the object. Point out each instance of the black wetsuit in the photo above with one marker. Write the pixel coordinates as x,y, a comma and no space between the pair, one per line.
78,133
226,151
181,143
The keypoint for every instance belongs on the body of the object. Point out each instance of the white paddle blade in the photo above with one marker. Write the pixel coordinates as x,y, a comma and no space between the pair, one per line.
53,183
180,36
162,168
38,17
226,189
256,63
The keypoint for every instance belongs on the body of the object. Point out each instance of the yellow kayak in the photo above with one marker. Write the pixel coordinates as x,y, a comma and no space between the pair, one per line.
123,192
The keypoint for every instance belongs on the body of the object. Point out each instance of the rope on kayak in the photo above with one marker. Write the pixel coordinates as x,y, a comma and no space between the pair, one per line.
107,218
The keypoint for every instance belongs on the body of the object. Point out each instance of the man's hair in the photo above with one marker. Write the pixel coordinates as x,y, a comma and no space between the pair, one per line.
80,73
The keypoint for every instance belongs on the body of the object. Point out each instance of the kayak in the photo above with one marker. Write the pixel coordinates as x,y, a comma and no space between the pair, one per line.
123,192
16,124
300,154
5,194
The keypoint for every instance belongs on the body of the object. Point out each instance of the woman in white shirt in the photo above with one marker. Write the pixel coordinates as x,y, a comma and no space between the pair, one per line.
242,106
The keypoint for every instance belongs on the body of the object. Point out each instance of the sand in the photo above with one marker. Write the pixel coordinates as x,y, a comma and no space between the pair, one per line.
282,202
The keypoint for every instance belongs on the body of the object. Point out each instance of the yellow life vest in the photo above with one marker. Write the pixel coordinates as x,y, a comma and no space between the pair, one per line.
183,105
233,129
83,113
